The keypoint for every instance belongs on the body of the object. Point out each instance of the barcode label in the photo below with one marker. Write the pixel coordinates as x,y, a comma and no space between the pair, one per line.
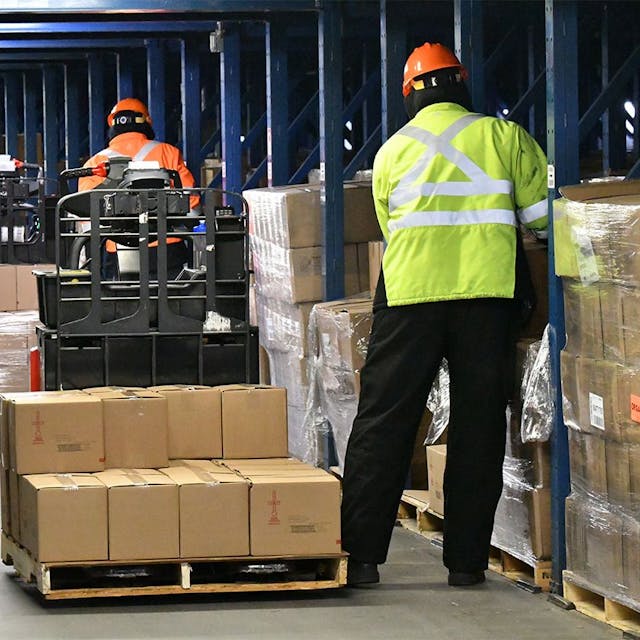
596,411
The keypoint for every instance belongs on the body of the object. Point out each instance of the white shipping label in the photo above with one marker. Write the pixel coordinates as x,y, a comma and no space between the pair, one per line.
585,256
596,411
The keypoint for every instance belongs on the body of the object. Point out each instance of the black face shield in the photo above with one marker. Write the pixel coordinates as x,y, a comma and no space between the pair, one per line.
444,85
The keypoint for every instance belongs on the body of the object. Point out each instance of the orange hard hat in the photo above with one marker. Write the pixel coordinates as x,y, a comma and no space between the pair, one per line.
429,57
129,104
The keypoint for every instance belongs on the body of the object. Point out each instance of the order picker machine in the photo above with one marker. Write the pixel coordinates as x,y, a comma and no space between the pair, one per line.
25,236
137,320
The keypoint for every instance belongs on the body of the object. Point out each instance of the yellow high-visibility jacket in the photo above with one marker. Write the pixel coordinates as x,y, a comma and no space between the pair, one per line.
449,189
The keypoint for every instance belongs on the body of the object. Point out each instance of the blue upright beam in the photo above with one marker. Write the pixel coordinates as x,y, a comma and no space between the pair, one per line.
604,62
11,113
469,46
191,124
125,76
156,85
97,108
230,94
562,151
50,126
277,103
331,148
393,54
72,116
32,85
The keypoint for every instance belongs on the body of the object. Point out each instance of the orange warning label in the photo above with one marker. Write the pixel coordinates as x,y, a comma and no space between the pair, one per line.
37,424
635,408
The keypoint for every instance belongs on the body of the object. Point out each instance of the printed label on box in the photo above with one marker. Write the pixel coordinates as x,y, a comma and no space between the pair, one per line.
596,411
635,408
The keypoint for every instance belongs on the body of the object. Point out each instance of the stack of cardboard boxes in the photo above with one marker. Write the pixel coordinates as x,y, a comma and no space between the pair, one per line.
598,257
160,473
285,226
339,338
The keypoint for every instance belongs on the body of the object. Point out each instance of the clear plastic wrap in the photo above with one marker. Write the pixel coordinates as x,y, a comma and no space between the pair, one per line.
338,340
17,336
439,404
597,233
290,216
295,275
602,547
537,393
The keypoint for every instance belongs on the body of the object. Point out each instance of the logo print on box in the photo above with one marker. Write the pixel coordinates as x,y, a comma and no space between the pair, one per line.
274,502
37,423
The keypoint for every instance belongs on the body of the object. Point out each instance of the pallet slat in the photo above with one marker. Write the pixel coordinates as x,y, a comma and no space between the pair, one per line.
330,573
415,515
590,600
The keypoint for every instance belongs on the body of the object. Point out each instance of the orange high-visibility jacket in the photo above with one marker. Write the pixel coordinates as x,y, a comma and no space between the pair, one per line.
129,144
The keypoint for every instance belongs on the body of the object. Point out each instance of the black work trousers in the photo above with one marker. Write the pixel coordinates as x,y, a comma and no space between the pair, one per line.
406,347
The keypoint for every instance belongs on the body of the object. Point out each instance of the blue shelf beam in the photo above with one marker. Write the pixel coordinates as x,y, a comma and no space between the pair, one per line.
393,53
371,145
123,26
230,86
72,116
530,97
277,72
331,148
156,85
469,46
125,76
191,125
31,87
71,43
561,27
97,108
11,113
50,91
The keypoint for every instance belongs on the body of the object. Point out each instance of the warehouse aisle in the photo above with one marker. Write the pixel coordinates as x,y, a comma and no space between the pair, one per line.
412,603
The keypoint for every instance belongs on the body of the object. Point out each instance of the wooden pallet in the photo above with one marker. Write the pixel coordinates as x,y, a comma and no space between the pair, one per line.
590,601
415,514
70,580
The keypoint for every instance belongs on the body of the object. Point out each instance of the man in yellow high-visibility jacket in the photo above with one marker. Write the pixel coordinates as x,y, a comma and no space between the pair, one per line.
450,189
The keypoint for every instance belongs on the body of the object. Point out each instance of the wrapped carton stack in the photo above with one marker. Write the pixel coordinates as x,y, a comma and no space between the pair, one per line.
17,336
173,472
339,337
285,226
597,254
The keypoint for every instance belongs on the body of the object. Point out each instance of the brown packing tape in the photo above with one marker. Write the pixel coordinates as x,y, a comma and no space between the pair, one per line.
67,481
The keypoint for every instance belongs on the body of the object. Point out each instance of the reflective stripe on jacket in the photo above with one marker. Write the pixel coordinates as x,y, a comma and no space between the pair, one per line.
137,146
449,189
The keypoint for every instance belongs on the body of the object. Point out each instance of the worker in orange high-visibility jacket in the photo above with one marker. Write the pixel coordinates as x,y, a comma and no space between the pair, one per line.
131,135
451,189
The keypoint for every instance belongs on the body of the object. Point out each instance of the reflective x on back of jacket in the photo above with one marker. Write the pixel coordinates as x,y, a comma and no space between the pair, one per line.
447,204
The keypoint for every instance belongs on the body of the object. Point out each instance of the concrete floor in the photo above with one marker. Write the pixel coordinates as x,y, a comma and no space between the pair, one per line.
413,602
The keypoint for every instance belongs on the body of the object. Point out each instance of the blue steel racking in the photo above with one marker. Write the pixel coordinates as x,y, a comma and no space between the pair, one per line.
522,56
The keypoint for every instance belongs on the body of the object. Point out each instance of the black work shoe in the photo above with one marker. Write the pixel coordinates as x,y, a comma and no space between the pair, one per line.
361,573
460,579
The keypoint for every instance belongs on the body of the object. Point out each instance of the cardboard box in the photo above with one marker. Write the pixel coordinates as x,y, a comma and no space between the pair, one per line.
64,517
283,326
290,216
8,287
436,462
590,243
376,251
290,371
540,522
194,420
618,474
584,322
418,469
26,286
135,429
5,509
620,308
143,514
631,557
214,512
52,432
588,463
343,328
537,258
273,466
576,537
603,526
254,421
213,466
294,514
